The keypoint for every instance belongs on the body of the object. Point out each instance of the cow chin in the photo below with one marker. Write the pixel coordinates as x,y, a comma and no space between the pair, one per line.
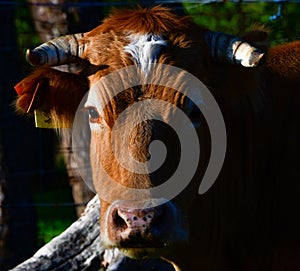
143,253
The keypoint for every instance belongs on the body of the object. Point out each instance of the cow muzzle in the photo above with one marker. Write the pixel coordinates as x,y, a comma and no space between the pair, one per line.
144,232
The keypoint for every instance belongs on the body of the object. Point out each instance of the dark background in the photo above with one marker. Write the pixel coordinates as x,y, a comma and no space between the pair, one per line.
36,201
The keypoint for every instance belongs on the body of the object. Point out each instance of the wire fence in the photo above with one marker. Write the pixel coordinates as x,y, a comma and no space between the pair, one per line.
88,4
52,196
117,3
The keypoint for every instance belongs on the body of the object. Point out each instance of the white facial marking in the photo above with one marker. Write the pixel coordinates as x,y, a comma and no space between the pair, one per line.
145,49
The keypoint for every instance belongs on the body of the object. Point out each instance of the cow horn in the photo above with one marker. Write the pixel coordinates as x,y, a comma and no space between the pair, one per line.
59,51
228,48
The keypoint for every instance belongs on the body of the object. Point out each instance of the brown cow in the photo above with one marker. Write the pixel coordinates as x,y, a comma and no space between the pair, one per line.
249,218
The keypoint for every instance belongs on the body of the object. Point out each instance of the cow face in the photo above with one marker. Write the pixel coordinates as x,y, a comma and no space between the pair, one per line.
131,218
142,117
134,117
134,149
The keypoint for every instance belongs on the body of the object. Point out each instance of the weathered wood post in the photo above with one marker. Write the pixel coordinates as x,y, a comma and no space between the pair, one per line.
79,248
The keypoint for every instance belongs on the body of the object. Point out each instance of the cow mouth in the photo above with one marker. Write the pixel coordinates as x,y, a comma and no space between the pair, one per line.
143,249
139,252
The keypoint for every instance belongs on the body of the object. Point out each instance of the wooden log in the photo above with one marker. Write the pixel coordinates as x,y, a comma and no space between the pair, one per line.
79,248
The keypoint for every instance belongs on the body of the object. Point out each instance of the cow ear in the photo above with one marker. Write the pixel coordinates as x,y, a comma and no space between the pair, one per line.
32,92
52,91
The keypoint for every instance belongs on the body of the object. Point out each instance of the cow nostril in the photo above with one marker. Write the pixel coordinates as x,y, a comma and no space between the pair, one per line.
118,221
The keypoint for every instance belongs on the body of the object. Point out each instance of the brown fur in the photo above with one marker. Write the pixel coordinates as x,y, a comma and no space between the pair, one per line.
284,60
155,20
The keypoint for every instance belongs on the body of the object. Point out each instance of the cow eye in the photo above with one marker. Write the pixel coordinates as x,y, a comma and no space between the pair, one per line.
94,115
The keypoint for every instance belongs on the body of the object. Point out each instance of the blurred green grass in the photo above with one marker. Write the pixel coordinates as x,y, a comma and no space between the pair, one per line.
55,218
236,18
54,203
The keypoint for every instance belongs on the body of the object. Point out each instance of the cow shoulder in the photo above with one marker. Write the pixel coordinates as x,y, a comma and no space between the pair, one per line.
284,60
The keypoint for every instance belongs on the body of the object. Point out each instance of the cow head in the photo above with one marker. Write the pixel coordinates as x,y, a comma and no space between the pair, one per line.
129,115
